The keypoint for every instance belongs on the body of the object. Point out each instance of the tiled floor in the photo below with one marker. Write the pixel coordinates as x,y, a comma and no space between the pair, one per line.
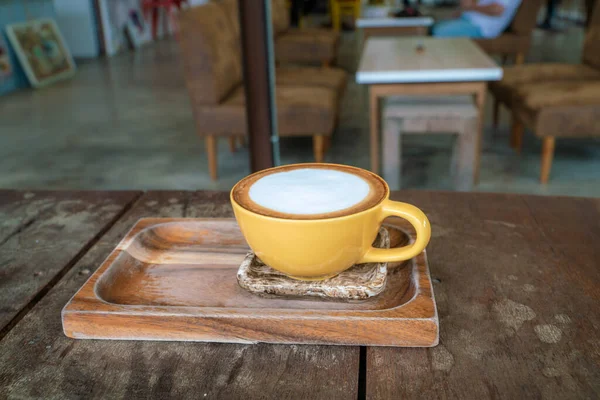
126,123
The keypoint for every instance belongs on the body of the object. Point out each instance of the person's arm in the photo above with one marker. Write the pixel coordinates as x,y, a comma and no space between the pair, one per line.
493,9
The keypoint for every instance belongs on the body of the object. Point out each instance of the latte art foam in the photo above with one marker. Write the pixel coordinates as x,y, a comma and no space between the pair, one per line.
307,191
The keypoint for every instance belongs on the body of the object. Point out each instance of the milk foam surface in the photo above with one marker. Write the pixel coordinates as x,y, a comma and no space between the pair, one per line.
308,191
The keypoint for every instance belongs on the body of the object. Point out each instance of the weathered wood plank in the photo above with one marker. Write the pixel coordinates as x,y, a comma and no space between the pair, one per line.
37,360
518,295
41,233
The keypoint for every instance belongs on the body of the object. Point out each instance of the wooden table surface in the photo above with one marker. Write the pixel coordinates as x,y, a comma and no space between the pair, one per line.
387,60
379,17
517,288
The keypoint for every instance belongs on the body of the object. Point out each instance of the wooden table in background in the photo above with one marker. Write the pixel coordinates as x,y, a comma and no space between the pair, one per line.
517,288
376,21
394,66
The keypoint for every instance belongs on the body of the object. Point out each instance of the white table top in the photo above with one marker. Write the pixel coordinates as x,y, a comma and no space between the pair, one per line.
396,60
378,17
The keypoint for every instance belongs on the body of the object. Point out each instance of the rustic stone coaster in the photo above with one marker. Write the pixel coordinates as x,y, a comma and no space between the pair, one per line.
360,281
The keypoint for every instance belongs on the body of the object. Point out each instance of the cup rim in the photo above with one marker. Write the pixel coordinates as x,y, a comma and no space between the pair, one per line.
374,175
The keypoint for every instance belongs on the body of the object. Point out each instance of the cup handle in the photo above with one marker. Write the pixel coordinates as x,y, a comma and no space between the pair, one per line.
417,219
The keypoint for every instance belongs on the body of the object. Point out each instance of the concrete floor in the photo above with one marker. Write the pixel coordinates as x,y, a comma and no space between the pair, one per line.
126,123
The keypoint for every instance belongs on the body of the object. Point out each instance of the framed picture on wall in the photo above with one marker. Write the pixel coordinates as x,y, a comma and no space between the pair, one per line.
5,65
113,19
42,51
137,29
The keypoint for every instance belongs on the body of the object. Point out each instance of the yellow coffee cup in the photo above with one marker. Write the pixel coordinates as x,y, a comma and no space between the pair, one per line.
314,247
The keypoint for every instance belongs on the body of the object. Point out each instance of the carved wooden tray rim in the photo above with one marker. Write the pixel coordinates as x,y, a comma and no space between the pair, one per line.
80,315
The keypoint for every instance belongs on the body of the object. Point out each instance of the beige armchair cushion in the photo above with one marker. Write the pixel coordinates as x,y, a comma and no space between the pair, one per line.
530,73
591,48
315,31
231,8
300,111
280,15
536,96
517,76
560,109
302,47
330,78
211,58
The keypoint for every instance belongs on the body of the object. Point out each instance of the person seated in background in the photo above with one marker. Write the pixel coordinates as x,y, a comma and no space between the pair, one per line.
479,19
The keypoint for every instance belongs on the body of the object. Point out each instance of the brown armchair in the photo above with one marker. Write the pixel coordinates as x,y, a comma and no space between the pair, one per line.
516,40
301,45
555,100
307,98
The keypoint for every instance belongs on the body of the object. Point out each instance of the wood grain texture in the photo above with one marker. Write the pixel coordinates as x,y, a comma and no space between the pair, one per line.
38,361
175,279
41,233
517,296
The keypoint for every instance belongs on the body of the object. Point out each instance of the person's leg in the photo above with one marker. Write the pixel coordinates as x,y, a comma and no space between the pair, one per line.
456,28
551,6
589,8
295,12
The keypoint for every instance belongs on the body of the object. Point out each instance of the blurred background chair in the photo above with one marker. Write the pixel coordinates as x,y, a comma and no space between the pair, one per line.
339,8
514,43
555,100
315,46
307,98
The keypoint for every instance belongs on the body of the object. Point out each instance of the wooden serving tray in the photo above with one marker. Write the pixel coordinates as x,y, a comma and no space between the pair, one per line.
175,279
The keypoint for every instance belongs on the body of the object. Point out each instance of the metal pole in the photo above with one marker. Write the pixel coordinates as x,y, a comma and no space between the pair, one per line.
259,82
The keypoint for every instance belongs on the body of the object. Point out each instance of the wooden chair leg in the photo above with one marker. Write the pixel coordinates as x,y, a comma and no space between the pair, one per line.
520,59
327,144
496,113
231,141
392,152
547,156
211,150
374,116
516,134
242,141
319,147
464,156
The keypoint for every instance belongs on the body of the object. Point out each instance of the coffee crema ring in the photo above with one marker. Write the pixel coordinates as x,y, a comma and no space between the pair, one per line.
377,192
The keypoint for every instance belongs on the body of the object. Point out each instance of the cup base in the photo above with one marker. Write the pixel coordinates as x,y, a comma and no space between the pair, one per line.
358,282
313,279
